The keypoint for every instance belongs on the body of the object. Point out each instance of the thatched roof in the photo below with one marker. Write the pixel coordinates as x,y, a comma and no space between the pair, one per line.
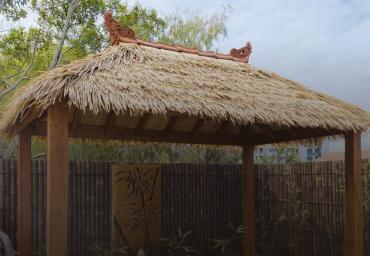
139,79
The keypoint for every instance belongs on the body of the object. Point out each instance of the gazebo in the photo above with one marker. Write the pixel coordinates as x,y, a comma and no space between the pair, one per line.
143,91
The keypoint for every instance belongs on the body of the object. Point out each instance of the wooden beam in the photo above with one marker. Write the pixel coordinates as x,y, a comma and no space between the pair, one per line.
26,121
248,200
142,123
300,134
292,132
57,181
266,130
76,118
24,195
354,211
168,135
171,122
222,128
197,125
112,118
120,133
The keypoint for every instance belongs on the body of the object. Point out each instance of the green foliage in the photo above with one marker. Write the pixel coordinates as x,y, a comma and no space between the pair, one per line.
146,23
194,30
13,9
108,250
52,14
16,49
283,154
177,245
230,245
86,33
23,54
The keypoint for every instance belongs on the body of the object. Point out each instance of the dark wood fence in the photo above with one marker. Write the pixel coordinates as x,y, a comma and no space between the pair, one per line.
299,206
89,211
200,198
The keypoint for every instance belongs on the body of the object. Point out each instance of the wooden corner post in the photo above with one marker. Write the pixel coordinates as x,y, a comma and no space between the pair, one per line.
24,187
57,182
248,200
354,211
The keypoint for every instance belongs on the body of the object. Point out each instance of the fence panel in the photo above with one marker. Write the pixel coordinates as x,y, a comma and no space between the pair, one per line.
200,198
89,211
299,206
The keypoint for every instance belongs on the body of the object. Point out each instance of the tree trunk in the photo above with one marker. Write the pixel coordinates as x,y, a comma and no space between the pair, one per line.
67,24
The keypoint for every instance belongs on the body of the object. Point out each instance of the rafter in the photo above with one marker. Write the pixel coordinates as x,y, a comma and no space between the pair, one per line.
142,123
222,128
75,119
170,124
197,125
28,120
111,120
265,130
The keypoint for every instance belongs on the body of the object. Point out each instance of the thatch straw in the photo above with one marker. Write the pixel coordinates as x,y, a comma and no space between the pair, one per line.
138,79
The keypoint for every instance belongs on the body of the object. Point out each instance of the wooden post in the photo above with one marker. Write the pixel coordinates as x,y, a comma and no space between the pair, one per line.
24,188
354,211
57,182
248,200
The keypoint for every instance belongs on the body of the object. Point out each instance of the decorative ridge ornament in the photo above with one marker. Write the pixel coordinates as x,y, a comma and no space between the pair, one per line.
242,53
117,32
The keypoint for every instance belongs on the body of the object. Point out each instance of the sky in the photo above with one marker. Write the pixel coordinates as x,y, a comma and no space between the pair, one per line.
324,45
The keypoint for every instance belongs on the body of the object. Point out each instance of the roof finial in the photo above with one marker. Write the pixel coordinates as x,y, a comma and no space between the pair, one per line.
242,53
117,32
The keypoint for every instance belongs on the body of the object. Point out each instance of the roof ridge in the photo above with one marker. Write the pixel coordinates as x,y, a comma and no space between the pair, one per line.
119,33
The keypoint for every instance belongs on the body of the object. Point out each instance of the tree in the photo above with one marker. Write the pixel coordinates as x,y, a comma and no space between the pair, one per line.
145,22
13,9
194,30
75,23
19,49
283,154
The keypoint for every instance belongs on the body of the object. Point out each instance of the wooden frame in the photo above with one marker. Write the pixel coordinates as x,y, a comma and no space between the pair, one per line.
354,209
248,200
57,129
57,182
108,132
24,188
